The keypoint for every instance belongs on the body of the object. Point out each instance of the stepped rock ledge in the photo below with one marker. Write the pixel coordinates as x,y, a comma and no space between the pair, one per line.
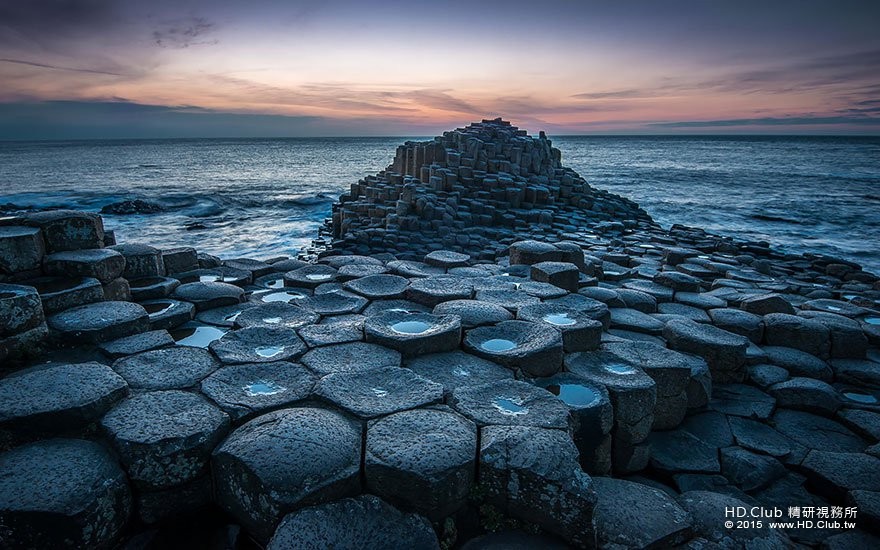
479,350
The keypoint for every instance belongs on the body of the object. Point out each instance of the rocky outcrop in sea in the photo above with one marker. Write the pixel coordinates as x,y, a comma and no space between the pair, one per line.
480,351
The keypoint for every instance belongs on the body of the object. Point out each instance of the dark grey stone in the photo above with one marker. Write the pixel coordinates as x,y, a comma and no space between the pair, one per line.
379,391
171,368
739,322
246,390
20,309
167,313
276,314
362,522
513,403
742,400
798,363
760,437
579,331
816,432
533,474
141,260
455,369
59,294
430,291
337,302
309,276
414,333
350,357
564,275
749,471
103,264
209,295
258,345
532,348
722,350
378,287
136,343
632,515
21,249
447,259
68,229
707,507
164,438
99,322
58,397
62,493
338,333
806,394
474,313
807,335
834,474
764,304
679,451
422,460
283,460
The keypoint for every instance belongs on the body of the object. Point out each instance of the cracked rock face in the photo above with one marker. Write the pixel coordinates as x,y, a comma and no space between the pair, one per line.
283,460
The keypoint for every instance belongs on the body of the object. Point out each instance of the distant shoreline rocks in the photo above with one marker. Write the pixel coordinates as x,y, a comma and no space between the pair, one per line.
134,206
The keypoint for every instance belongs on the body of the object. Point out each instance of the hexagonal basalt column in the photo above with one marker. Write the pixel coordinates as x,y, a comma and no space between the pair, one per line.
309,276
141,260
283,460
335,302
455,369
534,349
511,402
58,294
276,314
379,287
20,309
561,274
377,392
165,438
167,314
166,369
68,229
350,357
151,288
447,259
431,291
99,322
58,397
671,372
725,352
512,300
243,391
62,493
209,295
533,252
592,417
594,309
533,474
21,249
100,263
474,313
422,459
579,331
361,522
414,333
258,345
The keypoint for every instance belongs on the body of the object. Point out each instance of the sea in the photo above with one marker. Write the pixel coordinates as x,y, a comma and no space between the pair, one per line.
268,197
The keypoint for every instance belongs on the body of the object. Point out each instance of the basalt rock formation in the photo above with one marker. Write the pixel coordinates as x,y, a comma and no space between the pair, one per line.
473,190
605,383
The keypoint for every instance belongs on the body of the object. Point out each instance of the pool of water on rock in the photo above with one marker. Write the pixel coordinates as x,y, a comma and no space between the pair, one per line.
283,296
559,319
268,351
263,387
574,395
619,369
872,320
379,392
410,327
196,336
509,406
498,344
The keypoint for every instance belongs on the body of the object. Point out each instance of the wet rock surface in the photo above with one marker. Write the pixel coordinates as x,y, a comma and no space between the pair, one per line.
473,335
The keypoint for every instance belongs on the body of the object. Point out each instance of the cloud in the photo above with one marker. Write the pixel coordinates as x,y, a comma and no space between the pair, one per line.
47,23
618,94
771,121
183,33
58,67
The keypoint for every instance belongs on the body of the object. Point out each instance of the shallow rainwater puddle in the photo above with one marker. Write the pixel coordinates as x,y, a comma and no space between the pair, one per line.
574,395
272,320
872,320
318,276
832,308
619,369
210,278
498,344
559,319
849,296
285,296
263,387
860,397
410,327
458,371
379,392
158,308
509,406
197,337
268,351
276,283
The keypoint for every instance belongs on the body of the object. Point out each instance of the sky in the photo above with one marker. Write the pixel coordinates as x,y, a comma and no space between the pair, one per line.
284,68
